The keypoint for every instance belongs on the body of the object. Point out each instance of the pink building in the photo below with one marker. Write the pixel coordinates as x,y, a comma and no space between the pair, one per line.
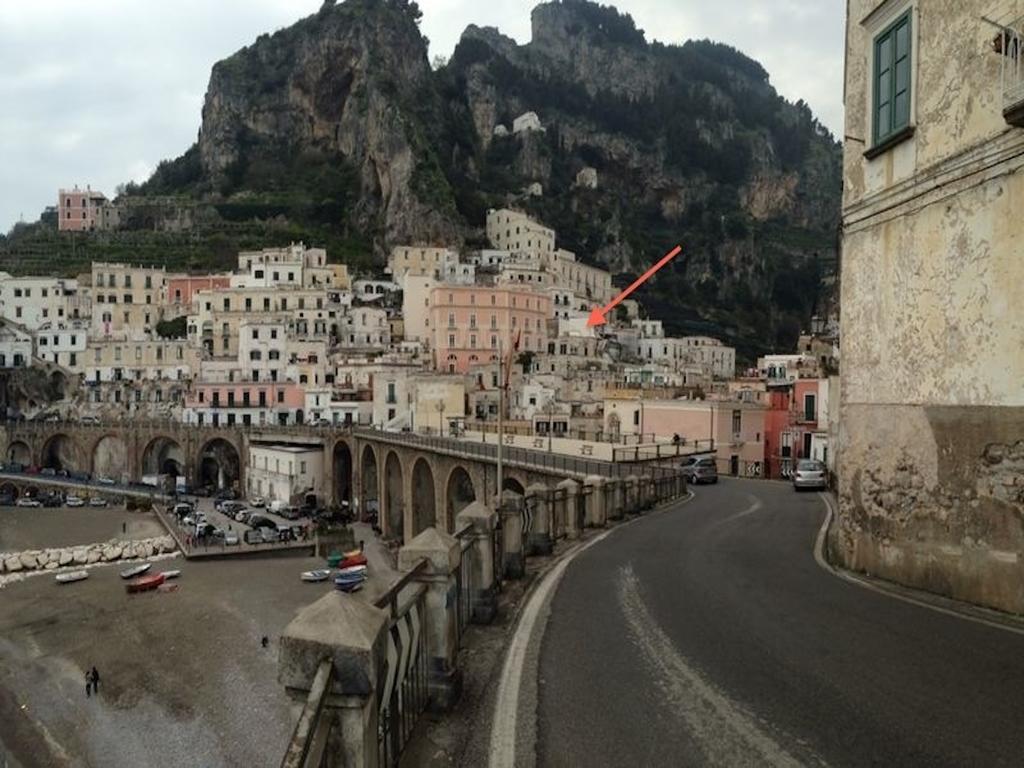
792,422
84,210
181,288
467,321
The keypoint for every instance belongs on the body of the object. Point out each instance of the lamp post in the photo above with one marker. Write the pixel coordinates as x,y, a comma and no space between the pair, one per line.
440,421
549,411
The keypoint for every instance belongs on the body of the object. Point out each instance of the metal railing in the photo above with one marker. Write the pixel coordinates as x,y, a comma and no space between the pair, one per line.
465,583
309,739
1009,43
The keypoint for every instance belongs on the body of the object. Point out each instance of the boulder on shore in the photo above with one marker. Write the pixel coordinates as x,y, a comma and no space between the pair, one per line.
93,556
65,558
13,564
111,553
80,556
28,561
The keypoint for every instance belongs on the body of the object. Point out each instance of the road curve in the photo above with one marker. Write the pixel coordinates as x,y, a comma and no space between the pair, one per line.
708,635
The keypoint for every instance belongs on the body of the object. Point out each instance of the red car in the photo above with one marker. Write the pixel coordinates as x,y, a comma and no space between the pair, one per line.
33,470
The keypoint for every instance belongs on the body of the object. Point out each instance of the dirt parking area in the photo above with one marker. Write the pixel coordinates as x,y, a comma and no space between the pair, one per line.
24,528
185,680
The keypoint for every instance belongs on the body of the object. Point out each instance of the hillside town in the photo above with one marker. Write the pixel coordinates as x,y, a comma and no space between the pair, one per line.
436,344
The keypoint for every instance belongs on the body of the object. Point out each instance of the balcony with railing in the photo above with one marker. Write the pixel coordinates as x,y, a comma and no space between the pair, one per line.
1009,43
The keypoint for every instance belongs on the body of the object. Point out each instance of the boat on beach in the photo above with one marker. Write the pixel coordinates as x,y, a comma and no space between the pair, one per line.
144,583
315,576
171,574
71,577
349,562
353,570
135,570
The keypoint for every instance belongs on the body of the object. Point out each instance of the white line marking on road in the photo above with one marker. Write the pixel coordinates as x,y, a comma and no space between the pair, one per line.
725,733
755,506
506,705
852,578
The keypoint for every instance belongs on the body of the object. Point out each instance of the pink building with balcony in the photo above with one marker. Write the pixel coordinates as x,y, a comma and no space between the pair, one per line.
180,288
466,323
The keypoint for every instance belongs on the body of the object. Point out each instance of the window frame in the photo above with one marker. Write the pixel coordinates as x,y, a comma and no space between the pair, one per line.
881,142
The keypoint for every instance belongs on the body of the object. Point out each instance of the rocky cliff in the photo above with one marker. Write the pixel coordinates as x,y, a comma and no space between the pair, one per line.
338,123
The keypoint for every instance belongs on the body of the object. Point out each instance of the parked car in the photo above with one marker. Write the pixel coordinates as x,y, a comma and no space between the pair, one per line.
74,501
700,469
32,470
257,502
230,539
182,508
258,521
252,537
97,501
289,513
320,423
284,533
225,493
270,535
105,481
28,501
52,500
229,508
206,529
810,473
89,420
48,471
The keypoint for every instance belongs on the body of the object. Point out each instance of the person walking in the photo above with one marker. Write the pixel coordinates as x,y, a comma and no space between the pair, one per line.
95,680
88,684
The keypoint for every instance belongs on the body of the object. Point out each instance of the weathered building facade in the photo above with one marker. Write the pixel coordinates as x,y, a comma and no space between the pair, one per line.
931,462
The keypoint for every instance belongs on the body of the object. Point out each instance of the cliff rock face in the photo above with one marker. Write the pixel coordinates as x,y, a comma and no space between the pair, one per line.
339,124
352,83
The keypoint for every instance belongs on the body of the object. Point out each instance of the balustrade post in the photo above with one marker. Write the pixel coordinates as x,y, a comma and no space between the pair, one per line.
538,501
443,556
597,512
351,635
630,496
484,597
510,510
572,523
613,498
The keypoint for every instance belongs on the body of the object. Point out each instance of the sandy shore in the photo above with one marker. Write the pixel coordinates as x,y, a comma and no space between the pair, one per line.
22,528
184,679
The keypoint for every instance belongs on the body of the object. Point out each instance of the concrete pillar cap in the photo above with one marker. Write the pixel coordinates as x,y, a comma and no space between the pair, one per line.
568,483
439,548
596,480
477,513
537,489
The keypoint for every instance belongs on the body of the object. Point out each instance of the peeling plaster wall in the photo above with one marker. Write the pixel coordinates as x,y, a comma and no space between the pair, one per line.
931,467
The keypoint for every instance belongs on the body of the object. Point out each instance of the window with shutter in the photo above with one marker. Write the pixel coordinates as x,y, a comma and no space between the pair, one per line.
892,87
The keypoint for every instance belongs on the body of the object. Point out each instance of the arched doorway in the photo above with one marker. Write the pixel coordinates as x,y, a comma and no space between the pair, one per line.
342,474
219,466
58,385
163,456
394,504
18,452
110,458
60,453
459,493
9,489
614,427
370,505
511,484
424,509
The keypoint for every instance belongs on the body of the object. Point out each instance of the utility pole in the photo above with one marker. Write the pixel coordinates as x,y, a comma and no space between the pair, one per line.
440,421
501,414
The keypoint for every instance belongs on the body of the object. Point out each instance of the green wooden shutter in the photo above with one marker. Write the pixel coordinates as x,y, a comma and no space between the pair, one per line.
891,102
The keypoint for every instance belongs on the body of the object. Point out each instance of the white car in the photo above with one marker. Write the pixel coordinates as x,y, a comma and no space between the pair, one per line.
74,501
105,481
97,501
230,539
257,502
27,501
241,515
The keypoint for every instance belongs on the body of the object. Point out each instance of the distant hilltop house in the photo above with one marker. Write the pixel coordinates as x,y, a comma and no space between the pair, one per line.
587,178
85,211
528,121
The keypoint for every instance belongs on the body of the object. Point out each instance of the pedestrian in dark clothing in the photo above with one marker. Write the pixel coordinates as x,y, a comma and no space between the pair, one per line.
124,527
265,641
88,684
95,680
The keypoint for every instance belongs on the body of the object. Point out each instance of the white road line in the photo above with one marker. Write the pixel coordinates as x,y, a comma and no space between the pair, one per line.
506,705
755,506
852,578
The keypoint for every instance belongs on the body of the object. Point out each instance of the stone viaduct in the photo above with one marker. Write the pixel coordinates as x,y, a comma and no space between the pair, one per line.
412,482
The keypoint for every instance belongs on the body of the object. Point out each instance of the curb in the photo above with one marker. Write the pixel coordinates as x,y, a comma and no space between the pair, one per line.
929,600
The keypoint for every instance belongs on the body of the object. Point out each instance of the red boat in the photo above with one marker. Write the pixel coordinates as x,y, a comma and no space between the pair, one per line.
348,562
144,583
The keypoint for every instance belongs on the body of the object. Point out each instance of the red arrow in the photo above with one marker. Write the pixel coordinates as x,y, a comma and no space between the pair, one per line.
597,316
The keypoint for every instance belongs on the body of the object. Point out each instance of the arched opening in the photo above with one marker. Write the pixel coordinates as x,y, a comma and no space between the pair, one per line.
163,456
110,458
511,484
9,490
219,466
394,504
299,418
58,385
342,474
31,491
18,452
424,511
61,453
614,427
369,506
459,493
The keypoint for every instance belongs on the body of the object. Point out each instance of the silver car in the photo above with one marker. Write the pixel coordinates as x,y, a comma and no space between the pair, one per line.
810,473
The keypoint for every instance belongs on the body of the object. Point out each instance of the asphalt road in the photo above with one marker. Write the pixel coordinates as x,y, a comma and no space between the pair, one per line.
708,635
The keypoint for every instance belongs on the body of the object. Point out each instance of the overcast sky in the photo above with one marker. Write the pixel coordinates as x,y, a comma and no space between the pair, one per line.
98,92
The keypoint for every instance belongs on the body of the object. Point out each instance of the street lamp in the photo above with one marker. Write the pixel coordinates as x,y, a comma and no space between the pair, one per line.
549,410
440,423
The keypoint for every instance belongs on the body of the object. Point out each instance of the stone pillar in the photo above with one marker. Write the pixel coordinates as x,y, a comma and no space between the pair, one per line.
352,635
482,586
510,511
572,490
538,501
613,498
650,492
597,512
630,495
443,555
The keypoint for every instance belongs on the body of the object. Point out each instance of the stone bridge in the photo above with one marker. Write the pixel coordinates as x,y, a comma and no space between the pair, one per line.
413,482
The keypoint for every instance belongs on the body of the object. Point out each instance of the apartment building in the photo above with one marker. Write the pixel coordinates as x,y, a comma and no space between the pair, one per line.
932,405
64,344
84,210
41,302
15,346
107,359
467,323
510,230
181,289
409,260
292,266
127,301
293,474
